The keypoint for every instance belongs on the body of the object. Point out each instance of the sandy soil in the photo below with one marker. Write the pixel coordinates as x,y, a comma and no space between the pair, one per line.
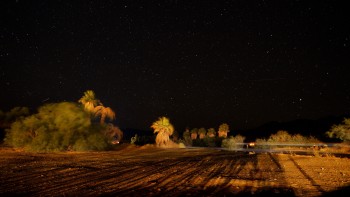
149,171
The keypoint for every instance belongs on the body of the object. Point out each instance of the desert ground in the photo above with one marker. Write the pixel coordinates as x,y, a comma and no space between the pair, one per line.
150,171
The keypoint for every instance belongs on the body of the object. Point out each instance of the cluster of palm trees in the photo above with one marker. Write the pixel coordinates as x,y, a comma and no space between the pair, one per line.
202,132
165,129
95,108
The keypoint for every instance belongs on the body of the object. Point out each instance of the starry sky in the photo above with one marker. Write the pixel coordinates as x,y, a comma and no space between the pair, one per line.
200,64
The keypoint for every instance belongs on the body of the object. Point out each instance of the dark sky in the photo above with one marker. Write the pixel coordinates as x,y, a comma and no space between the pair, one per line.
201,64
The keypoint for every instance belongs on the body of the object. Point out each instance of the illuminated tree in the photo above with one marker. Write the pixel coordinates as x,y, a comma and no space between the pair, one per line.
341,131
232,143
223,130
280,136
202,132
164,130
9,117
194,133
56,127
95,107
211,132
104,112
89,101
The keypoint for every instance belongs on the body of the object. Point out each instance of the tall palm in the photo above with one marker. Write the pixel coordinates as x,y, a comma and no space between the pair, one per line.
202,132
89,101
164,129
194,133
211,132
223,130
104,112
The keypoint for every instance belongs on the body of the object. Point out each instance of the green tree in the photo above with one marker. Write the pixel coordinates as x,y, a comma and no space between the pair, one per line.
341,131
280,136
223,130
232,143
6,119
164,130
57,127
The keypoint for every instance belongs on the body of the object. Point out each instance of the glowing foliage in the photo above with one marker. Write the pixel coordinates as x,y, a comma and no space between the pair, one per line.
194,133
232,143
89,101
164,129
223,130
341,131
104,112
6,118
56,127
211,132
95,107
202,132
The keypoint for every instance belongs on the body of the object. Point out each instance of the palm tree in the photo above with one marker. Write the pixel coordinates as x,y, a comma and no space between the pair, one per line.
202,132
89,101
223,130
104,112
194,133
211,132
164,129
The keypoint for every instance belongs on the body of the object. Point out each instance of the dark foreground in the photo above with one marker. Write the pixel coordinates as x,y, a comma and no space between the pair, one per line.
148,171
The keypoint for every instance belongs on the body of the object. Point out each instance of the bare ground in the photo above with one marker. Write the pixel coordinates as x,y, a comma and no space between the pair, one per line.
149,171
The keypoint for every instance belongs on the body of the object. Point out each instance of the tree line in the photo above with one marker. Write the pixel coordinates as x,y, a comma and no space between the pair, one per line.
85,125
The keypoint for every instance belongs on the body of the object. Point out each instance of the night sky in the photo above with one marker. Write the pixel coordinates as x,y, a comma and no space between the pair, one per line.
200,64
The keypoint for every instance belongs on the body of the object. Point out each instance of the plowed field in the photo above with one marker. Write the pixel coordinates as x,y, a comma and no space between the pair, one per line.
149,171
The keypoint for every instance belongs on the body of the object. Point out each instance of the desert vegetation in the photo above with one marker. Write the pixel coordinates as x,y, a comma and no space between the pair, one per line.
63,126
85,125
341,131
139,167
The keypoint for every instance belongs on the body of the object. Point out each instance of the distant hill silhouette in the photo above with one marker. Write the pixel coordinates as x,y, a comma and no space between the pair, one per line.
305,127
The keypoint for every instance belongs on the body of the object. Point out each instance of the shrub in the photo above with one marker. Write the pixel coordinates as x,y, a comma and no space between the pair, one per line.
341,131
57,127
233,143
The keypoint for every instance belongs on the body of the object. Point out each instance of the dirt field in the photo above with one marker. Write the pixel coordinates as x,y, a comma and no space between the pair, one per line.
148,171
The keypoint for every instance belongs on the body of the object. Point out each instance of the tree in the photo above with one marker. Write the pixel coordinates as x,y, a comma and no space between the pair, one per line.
57,127
95,107
104,112
280,136
341,131
187,137
194,133
232,143
164,130
6,119
202,132
211,132
223,130
89,101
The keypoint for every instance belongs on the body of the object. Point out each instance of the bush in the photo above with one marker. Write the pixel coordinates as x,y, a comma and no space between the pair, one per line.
233,143
57,127
285,138
341,131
